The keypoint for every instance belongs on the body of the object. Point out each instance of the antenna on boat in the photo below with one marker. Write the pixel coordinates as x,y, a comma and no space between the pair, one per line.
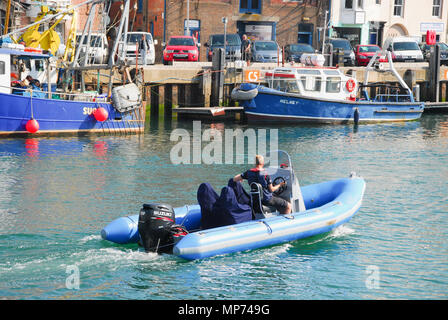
374,66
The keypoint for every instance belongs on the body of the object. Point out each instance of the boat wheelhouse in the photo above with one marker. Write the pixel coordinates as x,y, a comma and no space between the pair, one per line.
324,95
32,103
311,82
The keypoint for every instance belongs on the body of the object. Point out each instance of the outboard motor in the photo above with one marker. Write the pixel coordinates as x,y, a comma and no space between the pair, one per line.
154,226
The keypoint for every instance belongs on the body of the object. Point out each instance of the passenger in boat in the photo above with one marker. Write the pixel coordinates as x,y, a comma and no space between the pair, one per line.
230,207
258,175
207,197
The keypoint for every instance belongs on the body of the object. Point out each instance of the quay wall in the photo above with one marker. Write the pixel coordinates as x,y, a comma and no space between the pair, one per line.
186,84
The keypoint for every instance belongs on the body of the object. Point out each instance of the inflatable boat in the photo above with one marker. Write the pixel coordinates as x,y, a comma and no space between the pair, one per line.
316,209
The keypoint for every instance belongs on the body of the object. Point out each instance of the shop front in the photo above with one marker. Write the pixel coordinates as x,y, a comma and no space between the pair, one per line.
257,30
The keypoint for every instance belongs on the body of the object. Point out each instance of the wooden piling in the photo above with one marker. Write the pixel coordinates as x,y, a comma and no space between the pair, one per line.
154,100
168,100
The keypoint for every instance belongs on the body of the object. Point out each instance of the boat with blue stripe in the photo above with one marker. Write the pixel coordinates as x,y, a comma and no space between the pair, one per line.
43,95
319,94
317,209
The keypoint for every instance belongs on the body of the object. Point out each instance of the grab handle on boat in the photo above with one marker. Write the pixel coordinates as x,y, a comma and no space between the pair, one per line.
267,226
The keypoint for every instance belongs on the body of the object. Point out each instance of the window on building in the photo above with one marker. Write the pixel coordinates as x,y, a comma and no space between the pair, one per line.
436,8
378,1
398,7
348,4
360,4
250,6
140,6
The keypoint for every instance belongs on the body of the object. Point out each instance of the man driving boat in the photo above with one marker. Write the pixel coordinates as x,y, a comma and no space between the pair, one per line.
258,175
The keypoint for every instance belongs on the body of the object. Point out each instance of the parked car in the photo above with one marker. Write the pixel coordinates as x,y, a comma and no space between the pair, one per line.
134,40
344,46
443,52
405,49
233,46
293,52
181,48
265,51
98,49
365,52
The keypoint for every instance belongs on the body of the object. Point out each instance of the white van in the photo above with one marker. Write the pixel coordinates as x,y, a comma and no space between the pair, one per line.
405,49
98,48
134,40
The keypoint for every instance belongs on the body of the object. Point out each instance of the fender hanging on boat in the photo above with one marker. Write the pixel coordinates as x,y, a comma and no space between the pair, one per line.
238,94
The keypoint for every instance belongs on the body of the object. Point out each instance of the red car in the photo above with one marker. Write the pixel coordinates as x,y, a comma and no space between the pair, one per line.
365,52
181,48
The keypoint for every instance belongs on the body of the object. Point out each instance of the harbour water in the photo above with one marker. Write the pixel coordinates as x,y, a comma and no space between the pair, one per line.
57,193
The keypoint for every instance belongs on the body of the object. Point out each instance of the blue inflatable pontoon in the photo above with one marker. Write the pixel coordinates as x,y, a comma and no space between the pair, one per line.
317,208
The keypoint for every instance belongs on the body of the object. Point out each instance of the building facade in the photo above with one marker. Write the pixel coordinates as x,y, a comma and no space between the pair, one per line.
372,21
285,21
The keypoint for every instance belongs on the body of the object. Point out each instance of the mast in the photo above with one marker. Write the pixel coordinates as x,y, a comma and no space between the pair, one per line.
8,11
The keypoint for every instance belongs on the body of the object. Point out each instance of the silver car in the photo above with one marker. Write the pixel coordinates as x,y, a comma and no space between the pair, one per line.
266,51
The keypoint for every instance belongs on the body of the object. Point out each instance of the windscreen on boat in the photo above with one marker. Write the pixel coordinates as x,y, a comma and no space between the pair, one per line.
278,159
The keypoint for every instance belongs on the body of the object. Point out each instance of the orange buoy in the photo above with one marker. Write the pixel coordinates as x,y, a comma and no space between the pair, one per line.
350,85
100,114
32,126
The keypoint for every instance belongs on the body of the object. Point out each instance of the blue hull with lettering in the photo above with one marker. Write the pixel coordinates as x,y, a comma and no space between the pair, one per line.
56,116
273,105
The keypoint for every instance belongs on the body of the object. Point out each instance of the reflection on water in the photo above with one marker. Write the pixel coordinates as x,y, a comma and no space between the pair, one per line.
57,193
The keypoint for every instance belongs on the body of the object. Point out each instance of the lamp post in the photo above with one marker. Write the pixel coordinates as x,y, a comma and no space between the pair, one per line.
188,18
224,20
325,30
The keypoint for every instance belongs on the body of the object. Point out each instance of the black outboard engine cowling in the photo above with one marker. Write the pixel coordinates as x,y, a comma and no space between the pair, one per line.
154,226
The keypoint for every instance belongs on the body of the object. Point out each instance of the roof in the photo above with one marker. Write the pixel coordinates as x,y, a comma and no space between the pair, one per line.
23,53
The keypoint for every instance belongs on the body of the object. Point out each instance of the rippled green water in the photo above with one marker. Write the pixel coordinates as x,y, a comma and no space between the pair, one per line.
57,193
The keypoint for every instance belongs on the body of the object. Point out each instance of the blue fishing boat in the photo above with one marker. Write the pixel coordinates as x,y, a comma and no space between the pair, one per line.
32,102
317,208
325,95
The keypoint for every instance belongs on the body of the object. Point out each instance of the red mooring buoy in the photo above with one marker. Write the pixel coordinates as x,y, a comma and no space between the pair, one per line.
32,126
100,114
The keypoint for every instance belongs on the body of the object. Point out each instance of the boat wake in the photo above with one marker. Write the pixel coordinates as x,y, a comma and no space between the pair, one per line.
341,231
90,238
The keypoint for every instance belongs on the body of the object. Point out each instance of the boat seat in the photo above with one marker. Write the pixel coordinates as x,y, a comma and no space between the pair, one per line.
259,210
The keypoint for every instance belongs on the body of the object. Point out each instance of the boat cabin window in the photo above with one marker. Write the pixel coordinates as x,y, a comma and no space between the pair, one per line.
332,72
311,80
2,67
305,71
39,65
311,83
285,85
333,84
291,86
